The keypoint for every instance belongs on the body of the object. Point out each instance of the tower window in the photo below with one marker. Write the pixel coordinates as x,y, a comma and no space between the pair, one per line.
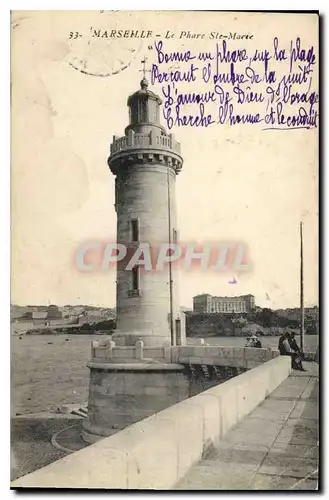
175,236
134,230
133,113
142,111
135,278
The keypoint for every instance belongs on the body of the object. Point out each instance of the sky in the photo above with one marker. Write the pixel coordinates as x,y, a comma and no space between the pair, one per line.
237,184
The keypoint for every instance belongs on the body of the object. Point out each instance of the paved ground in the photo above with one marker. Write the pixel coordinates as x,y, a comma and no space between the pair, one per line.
274,448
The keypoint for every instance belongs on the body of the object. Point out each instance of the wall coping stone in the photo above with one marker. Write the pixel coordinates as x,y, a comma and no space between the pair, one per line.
135,366
156,452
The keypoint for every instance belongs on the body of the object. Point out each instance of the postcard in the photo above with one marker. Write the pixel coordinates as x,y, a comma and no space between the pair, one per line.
164,226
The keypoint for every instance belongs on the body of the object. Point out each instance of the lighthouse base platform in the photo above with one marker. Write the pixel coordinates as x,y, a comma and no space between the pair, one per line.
121,394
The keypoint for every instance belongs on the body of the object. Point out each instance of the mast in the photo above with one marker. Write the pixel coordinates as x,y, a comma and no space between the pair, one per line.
170,269
301,290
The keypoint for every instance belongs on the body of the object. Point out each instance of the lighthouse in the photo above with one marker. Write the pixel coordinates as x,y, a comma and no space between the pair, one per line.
145,162
134,373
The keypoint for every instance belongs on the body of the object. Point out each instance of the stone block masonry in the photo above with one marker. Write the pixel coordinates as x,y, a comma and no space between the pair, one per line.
239,357
275,447
145,163
158,451
129,383
122,393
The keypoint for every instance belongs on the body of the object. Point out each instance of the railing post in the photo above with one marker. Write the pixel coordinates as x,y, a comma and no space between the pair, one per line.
131,137
139,349
94,344
109,348
153,137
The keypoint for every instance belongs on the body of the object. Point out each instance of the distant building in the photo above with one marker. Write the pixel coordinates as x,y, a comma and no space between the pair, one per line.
39,317
46,315
206,303
95,312
312,312
37,308
53,312
294,313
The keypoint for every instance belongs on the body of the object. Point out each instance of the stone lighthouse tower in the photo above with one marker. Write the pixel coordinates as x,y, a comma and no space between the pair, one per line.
135,373
145,162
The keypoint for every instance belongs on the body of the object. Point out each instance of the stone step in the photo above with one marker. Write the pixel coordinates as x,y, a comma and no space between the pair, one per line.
80,413
74,409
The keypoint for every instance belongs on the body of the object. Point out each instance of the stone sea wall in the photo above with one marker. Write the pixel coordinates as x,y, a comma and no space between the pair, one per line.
158,451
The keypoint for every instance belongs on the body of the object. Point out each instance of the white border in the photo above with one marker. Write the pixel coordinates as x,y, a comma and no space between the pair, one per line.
5,175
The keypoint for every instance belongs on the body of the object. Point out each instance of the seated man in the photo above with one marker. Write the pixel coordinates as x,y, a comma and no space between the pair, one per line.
257,342
292,342
285,350
296,349
253,341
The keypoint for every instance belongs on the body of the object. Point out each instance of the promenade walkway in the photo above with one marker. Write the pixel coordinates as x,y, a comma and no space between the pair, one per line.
273,448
